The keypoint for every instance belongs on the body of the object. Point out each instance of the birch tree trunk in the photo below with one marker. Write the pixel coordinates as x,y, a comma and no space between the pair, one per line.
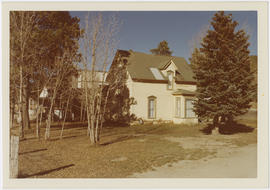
63,123
41,112
49,119
98,44
37,123
81,113
25,108
37,116
20,104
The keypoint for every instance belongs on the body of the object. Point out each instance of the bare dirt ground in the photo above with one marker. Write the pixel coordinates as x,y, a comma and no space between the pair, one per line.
230,161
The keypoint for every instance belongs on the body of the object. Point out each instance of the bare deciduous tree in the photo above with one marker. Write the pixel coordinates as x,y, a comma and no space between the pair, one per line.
99,46
22,27
63,71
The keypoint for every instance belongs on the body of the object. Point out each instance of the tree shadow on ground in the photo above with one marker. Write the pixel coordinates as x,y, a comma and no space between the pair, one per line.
113,124
228,129
44,172
33,151
66,137
116,140
68,125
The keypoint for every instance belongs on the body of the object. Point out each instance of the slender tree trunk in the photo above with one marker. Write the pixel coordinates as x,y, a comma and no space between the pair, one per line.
48,124
96,130
88,126
81,112
41,110
37,117
92,131
88,123
84,114
50,115
25,108
63,124
37,123
103,113
20,104
11,117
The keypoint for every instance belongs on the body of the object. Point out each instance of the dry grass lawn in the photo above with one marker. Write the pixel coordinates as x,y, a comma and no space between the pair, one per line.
122,150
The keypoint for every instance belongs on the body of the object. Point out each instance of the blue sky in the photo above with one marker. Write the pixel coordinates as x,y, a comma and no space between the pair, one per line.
143,30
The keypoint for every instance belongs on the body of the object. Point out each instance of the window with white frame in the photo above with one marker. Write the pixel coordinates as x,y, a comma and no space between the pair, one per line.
170,80
151,107
177,107
189,108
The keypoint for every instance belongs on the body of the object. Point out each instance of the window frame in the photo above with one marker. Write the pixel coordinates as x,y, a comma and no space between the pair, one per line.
178,108
154,99
168,73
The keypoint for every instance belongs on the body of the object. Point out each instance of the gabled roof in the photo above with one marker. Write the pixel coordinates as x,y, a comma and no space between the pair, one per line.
139,64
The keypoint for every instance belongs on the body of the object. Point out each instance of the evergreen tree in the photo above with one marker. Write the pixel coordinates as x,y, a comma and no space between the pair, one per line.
162,49
222,71
253,67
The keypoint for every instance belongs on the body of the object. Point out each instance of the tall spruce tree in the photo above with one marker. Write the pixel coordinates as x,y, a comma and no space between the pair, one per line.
162,49
222,71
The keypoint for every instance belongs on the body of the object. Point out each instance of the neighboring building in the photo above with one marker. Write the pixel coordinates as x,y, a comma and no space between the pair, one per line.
77,83
162,86
85,76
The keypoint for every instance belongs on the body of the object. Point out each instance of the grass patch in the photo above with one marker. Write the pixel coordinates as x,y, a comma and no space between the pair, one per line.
122,150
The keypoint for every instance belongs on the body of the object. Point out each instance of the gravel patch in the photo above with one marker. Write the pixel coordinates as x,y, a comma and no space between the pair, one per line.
119,159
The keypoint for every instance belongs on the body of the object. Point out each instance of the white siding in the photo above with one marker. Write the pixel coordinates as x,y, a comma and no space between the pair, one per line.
165,101
189,87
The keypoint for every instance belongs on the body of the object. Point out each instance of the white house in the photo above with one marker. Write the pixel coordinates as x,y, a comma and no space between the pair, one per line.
85,77
162,86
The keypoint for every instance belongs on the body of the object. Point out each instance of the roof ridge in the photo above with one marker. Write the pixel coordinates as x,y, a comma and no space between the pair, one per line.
169,56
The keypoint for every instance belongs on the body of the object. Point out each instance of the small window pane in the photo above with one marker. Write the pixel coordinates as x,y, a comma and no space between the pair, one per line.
189,109
190,113
178,107
151,108
156,73
189,104
170,79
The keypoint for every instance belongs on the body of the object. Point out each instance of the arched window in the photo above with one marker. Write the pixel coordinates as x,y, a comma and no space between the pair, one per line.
152,102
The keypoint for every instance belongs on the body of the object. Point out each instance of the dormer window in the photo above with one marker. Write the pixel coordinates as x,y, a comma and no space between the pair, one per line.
170,80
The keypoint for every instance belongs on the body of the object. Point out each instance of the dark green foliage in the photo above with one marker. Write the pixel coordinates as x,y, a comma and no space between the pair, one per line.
119,100
38,39
118,107
254,70
162,49
222,71
50,34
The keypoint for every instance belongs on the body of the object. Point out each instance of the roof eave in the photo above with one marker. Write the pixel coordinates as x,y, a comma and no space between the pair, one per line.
186,82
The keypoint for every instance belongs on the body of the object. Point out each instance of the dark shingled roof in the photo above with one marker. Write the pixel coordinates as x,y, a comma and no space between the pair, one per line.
139,65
